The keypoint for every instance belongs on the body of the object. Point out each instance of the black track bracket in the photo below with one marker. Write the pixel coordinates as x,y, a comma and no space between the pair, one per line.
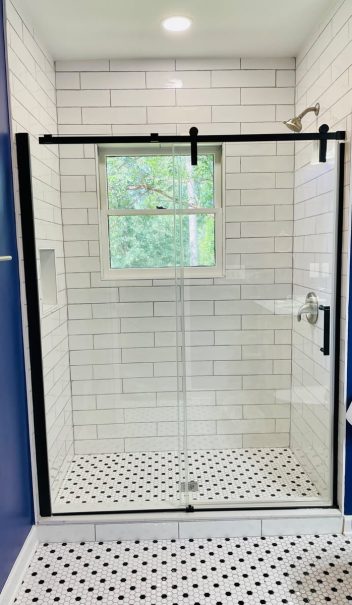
323,129
193,133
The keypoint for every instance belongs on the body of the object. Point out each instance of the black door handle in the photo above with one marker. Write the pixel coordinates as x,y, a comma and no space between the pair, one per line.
325,349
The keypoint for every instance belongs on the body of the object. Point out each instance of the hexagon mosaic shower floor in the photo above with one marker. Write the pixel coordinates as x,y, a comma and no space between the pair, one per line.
101,481
229,571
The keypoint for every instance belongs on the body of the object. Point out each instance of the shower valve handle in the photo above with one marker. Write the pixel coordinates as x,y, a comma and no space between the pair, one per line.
309,308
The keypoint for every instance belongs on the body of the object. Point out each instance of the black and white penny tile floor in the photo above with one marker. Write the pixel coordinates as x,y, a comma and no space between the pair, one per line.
230,571
98,481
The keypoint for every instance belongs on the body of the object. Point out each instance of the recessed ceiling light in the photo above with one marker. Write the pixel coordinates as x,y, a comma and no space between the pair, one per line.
177,24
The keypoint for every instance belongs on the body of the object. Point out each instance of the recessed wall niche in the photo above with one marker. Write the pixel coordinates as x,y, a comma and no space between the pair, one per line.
48,277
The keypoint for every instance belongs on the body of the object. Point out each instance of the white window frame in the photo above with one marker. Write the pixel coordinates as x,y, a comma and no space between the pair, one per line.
104,212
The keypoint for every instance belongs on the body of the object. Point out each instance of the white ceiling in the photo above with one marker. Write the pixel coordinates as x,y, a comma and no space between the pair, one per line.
95,29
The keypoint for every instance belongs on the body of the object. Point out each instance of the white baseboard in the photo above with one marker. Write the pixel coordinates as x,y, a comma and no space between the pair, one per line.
12,583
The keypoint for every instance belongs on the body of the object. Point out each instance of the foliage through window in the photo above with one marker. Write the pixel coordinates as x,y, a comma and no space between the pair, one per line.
158,211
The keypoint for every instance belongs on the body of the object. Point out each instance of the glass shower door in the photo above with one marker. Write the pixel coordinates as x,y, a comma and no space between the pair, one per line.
259,383
316,265
119,273
196,386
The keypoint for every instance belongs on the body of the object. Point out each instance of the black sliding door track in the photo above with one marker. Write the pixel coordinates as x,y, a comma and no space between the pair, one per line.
49,139
194,138
32,295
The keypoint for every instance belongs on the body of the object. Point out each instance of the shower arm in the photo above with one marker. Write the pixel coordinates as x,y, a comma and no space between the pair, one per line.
308,109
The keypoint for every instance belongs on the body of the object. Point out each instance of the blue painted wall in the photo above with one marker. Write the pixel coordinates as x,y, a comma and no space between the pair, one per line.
16,504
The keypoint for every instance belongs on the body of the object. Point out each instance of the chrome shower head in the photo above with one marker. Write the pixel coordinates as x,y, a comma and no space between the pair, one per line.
295,123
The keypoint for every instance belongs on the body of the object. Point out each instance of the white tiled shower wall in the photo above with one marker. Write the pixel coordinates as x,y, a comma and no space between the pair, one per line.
324,74
122,334
33,110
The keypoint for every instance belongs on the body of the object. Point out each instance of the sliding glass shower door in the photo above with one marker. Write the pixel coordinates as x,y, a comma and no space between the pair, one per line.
316,338
125,436
260,326
189,322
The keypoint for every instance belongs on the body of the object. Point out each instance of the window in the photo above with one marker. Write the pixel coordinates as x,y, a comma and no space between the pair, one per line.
156,210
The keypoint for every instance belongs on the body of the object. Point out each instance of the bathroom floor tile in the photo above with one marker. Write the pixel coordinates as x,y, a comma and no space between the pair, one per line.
229,571
105,480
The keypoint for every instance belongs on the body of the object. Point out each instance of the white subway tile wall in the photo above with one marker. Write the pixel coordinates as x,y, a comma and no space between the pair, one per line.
324,69
33,110
123,334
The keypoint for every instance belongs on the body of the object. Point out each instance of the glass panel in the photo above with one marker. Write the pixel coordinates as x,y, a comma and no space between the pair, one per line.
115,415
138,182
141,241
146,181
203,392
196,183
259,390
145,241
198,239
312,408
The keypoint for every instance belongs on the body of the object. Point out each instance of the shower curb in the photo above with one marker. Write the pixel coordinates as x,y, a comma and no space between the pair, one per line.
166,526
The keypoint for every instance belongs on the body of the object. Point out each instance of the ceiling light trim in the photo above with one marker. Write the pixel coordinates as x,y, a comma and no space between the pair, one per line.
177,24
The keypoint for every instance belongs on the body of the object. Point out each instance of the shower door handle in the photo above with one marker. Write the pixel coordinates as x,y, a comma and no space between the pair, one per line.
5,258
325,349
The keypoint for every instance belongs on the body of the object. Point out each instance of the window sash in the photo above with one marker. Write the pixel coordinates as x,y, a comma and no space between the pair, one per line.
184,150
104,213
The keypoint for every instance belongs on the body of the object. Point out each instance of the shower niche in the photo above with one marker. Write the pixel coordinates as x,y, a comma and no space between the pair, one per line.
48,277
176,374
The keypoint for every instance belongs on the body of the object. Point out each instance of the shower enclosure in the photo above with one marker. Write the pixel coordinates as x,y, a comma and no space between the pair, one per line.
176,360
